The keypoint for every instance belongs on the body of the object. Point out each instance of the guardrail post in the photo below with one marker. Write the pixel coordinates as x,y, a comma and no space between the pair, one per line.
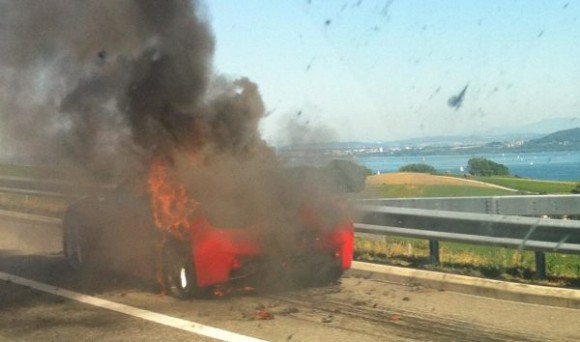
540,265
434,251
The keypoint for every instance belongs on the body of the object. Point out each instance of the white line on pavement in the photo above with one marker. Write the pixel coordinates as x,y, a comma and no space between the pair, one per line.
173,322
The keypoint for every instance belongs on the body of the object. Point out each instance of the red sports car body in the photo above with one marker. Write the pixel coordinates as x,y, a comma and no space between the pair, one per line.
117,232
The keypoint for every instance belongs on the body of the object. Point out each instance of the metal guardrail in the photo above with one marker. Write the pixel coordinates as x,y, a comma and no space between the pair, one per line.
535,205
495,221
37,193
543,234
49,187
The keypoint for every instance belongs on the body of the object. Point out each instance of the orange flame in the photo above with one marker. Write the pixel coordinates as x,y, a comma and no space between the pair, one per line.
171,208
170,204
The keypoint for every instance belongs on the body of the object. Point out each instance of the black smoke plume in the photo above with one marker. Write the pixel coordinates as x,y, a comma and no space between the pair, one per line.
105,84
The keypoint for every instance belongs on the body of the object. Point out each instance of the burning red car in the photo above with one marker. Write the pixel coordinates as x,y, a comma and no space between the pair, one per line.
163,234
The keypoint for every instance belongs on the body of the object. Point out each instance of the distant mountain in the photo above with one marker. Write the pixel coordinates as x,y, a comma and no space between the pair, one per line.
558,140
546,126
468,139
504,134
418,142
567,139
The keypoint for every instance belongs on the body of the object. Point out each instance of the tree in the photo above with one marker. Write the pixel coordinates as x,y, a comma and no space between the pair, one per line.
485,167
421,168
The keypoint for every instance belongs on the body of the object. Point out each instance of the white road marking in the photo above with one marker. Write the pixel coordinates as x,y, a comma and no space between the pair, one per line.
173,322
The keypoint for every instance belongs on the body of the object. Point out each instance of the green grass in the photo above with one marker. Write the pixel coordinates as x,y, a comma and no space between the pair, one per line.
422,190
530,185
483,261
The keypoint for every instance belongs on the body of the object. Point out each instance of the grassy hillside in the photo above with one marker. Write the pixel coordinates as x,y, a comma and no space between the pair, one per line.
530,185
407,184
431,190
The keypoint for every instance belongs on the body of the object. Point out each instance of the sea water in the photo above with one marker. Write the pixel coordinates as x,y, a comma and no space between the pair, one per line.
562,166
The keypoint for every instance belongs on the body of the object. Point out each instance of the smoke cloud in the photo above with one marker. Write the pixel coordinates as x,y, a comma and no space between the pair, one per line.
102,84
304,133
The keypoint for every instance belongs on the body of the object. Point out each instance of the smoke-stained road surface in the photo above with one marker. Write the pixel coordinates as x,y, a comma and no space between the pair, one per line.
356,309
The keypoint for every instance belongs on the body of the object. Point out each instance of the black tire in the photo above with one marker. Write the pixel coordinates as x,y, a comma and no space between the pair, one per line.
328,274
179,272
333,275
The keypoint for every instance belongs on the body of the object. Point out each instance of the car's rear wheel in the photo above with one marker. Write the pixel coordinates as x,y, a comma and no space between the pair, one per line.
179,273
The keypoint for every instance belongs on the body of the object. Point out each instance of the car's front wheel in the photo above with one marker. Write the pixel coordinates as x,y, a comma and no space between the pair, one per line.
327,271
179,273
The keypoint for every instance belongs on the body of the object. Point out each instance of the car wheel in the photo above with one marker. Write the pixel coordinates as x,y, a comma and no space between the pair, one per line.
328,274
179,273
331,276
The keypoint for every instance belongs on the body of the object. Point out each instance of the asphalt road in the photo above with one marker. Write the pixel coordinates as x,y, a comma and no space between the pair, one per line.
354,310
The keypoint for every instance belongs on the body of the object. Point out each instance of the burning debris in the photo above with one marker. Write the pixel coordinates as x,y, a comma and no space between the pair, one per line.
127,88
264,315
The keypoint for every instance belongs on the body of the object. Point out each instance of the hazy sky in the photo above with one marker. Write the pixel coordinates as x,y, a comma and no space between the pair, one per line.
384,70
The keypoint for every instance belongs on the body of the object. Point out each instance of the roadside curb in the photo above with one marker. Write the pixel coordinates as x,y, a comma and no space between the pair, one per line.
534,294
30,217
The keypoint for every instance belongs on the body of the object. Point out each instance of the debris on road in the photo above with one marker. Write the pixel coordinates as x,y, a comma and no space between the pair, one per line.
264,315
289,310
